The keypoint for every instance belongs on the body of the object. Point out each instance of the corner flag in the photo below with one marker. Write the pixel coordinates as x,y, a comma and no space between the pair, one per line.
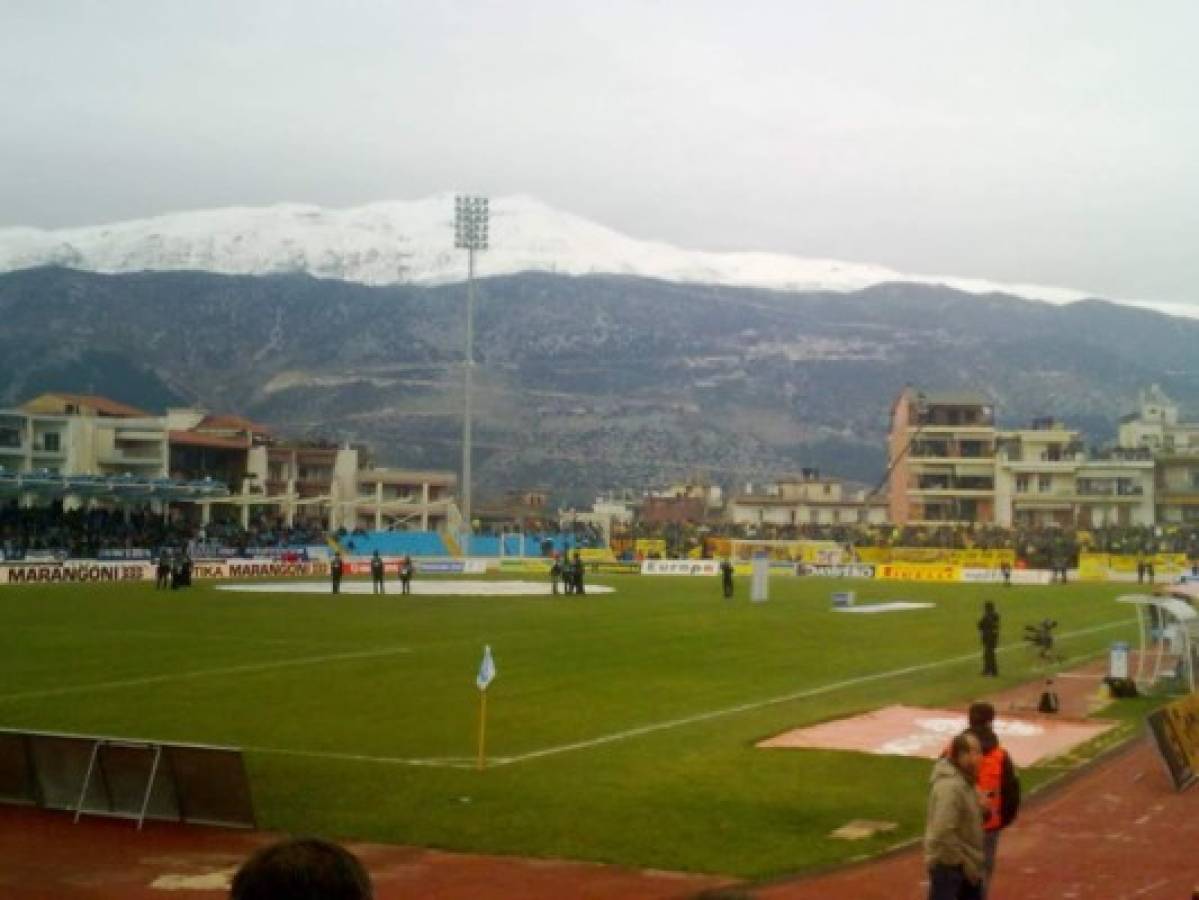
486,669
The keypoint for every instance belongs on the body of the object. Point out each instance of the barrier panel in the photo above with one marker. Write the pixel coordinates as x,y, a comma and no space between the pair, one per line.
1123,566
680,567
130,779
918,572
851,570
1175,729
975,558
71,571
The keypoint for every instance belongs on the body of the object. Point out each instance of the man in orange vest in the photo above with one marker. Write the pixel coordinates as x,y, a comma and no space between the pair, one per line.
996,782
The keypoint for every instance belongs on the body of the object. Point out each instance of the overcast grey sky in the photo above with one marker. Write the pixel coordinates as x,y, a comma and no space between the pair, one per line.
1053,142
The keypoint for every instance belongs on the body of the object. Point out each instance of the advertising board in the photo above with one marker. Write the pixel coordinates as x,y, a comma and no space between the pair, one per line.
850,570
1175,729
680,567
918,572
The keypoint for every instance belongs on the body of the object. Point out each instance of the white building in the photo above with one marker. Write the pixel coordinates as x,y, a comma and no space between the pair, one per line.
806,499
1155,430
1044,477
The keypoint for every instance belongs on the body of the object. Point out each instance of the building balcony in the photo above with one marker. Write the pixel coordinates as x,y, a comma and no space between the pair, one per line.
956,460
41,451
951,492
119,458
17,449
1178,497
1041,465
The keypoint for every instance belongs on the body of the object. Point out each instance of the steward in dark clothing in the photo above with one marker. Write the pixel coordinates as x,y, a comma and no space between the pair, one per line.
335,572
578,573
555,575
406,569
726,578
377,574
163,574
988,631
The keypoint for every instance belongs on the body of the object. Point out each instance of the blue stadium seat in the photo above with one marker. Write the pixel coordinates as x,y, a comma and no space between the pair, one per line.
396,543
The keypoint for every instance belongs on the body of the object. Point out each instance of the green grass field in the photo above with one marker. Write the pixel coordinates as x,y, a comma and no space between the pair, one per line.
621,727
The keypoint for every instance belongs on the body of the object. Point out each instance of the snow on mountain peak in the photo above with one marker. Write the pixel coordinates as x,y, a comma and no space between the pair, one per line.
412,242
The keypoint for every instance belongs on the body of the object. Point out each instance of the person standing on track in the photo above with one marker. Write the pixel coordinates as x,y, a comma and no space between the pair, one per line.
335,572
162,579
555,574
406,569
377,574
578,574
953,834
988,631
997,784
726,578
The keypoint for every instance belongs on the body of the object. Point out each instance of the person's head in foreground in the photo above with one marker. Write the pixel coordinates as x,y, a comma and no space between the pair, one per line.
302,869
965,752
981,715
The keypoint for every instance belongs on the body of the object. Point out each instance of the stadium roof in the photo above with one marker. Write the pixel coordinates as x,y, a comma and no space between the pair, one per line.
45,483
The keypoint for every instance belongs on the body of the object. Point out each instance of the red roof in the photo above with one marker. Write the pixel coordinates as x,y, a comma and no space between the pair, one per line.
196,439
231,423
101,405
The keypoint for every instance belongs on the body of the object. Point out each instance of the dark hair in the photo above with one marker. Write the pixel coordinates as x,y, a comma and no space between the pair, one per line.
961,743
980,714
302,869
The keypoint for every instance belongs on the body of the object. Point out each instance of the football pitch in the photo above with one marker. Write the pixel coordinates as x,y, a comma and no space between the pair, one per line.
621,727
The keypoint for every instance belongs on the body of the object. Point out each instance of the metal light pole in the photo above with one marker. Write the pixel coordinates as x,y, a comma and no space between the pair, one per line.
470,234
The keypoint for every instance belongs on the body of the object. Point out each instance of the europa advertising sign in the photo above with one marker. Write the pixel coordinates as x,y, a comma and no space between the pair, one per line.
680,567
918,572
850,570
78,571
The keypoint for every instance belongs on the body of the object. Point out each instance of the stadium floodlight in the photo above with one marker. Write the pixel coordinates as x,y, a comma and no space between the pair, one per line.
471,218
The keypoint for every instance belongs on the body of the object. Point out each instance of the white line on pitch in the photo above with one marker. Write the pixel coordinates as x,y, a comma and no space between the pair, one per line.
771,701
435,762
203,673
452,762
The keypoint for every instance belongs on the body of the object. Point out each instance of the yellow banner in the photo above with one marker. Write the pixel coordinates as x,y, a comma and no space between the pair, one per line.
1098,566
970,559
1092,566
918,572
646,546
595,555
1176,730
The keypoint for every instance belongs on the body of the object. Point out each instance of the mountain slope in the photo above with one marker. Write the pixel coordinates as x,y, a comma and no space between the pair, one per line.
583,382
412,243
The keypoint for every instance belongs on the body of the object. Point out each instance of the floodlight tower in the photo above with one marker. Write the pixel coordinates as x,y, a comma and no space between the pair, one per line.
470,234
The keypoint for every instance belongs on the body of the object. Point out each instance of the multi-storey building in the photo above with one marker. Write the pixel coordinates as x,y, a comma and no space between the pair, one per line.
806,499
1155,429
1045,477
324,484
941,458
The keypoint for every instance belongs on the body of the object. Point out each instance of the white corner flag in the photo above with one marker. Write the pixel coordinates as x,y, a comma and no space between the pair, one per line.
486,669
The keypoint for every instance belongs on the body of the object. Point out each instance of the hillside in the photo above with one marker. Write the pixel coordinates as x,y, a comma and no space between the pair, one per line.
584,382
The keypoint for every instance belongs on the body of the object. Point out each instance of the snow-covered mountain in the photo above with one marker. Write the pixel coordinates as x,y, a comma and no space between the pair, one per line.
412,242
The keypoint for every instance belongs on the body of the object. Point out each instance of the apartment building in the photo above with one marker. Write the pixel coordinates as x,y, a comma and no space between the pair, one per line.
1155,430
941,458
806,499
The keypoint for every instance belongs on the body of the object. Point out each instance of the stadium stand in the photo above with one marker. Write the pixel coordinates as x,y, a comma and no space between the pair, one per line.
393,543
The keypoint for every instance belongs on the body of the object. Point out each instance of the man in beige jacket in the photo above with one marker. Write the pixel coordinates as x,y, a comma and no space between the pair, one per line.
953,837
